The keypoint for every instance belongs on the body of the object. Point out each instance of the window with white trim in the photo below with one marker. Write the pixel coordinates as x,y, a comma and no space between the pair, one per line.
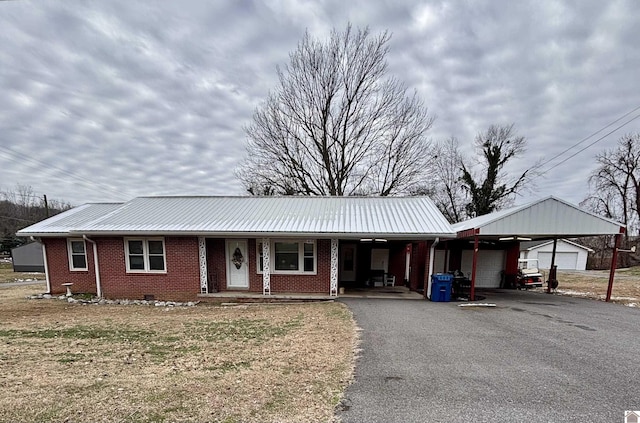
145,255
289,256
77,254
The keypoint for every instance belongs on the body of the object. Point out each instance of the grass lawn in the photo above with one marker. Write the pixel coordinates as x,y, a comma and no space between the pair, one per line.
593,284
8,275
262,363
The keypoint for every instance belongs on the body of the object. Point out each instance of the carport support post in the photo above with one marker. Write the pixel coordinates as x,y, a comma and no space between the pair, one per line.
614,263
553,262
472,293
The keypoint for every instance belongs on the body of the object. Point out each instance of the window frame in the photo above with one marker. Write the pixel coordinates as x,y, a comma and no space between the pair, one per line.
70,254
272,255
145,255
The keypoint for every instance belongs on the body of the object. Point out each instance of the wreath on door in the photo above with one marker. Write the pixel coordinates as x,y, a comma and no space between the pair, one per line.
237,258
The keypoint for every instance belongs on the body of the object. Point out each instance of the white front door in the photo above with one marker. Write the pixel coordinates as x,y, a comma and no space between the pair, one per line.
237,264
348,262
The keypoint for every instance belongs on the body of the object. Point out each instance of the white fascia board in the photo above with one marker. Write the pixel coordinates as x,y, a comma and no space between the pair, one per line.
226,234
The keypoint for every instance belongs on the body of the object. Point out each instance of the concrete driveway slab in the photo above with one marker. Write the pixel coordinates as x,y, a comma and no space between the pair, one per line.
533,358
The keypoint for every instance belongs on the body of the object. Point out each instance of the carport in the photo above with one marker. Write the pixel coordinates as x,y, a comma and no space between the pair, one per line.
497,236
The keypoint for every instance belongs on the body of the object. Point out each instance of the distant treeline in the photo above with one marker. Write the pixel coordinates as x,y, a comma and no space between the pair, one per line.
21,207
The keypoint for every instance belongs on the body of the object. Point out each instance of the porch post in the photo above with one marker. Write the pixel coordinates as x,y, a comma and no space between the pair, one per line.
202,253
333,290
472,293
266,266
553,262
614,263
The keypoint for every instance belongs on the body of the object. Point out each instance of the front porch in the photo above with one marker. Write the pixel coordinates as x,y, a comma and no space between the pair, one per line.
397,293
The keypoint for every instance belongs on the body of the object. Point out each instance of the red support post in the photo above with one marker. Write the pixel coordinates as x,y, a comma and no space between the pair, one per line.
472,294
614,264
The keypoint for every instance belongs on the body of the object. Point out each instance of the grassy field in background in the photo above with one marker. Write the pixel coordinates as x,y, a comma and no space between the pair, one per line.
250,363
593,284
8,275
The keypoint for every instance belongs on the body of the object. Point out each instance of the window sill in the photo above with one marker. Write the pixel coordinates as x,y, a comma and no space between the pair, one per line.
79,270
290,272
147,272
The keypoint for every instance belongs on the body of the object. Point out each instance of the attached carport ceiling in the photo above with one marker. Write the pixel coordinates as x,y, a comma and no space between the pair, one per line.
546,218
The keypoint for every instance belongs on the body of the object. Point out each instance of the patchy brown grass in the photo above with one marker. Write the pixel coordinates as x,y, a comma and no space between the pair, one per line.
593,284
8,275
254,363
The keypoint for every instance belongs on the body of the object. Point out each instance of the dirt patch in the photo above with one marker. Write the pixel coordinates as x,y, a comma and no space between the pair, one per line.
593,284
71,362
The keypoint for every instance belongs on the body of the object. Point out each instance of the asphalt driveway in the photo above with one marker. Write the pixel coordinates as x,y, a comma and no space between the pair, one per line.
533,358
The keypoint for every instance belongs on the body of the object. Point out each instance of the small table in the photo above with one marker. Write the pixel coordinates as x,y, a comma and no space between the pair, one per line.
68,286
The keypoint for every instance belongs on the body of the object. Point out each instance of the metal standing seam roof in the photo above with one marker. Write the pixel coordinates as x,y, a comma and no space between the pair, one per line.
389,217
547,217
63,223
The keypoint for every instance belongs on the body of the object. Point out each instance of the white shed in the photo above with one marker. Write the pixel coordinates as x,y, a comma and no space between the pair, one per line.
569,255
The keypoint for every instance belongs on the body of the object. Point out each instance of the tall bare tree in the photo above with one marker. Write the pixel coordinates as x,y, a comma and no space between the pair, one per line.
491,188
337,124
615,183
448,193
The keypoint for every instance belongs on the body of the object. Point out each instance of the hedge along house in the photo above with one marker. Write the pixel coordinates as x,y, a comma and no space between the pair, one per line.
180,247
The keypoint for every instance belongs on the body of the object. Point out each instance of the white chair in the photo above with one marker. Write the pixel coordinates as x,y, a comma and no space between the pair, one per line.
389,280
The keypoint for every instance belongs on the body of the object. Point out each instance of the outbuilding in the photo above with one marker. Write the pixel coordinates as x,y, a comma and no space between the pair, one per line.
570,255
487,247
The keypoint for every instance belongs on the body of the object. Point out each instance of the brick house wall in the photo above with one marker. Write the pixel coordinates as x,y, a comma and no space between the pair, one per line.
58,266
180,282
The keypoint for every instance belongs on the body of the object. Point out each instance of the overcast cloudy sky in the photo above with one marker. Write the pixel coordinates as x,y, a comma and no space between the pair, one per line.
108,100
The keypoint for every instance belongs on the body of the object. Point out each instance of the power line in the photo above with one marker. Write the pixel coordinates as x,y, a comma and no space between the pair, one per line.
23,157
593,143
590,136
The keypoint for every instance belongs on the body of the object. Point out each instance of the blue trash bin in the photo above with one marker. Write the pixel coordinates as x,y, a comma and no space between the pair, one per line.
441,287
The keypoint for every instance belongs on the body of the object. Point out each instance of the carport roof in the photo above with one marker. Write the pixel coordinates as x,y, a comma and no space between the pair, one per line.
547,218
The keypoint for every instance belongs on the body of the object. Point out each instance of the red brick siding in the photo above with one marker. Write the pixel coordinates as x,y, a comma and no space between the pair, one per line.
180,282
58,267
320,282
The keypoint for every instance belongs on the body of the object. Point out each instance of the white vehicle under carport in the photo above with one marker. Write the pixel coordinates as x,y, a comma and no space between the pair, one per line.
529,275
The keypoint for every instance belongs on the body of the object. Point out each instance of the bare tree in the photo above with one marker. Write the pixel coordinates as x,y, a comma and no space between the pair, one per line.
337,124
448,193
491,189
616,182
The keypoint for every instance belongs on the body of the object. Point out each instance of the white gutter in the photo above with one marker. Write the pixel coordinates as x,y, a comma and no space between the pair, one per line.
46,265
432,258
95,265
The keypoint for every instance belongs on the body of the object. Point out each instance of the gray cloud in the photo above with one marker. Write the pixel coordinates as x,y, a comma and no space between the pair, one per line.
116,99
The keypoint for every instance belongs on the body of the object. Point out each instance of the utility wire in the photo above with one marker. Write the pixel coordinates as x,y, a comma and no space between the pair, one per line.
590,136
17,157
593,143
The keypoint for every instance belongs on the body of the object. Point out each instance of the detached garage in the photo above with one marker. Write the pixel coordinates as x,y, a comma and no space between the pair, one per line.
487,248
569,255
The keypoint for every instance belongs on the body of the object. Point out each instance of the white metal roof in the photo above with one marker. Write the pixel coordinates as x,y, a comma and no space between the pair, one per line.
388,217
548,217
63,223
534,245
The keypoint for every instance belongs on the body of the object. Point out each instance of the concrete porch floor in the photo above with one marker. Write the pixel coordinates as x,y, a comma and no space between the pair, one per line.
396,292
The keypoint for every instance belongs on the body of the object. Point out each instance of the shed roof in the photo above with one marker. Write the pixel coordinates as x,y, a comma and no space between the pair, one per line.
542,219
388,217
534,245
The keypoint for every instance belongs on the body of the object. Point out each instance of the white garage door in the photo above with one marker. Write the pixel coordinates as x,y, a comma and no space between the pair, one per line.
490,266
567,260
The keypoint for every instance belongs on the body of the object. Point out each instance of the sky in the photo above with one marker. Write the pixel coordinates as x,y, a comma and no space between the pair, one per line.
108,100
